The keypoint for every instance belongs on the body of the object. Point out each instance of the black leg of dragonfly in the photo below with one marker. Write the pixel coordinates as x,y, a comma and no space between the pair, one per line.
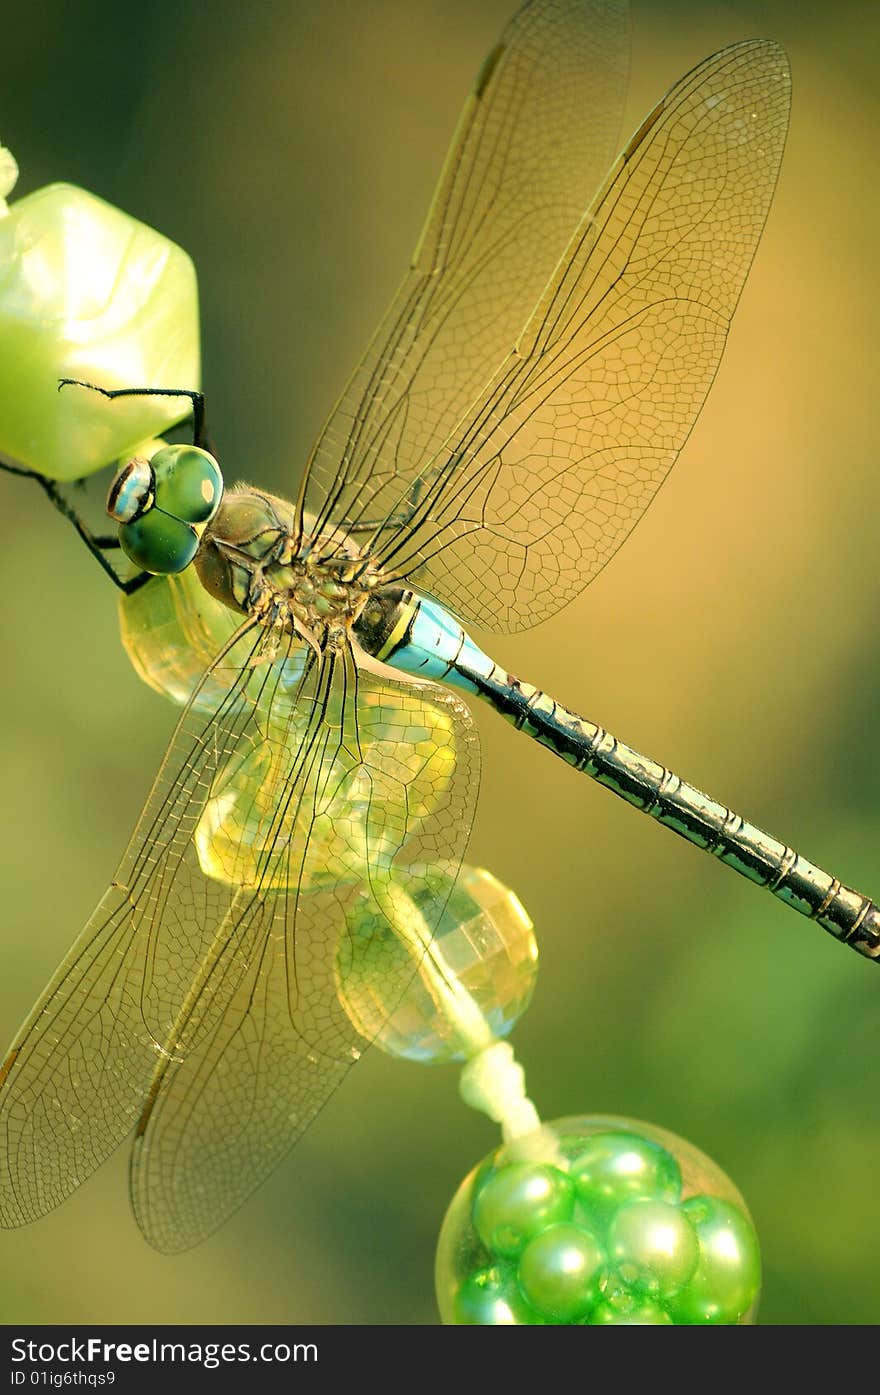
200,436
97,543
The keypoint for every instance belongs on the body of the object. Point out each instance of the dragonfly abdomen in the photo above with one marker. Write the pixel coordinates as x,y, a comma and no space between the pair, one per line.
663,795
717,829
435,646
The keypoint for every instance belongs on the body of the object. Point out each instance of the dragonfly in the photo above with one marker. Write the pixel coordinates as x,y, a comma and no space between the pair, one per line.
521,403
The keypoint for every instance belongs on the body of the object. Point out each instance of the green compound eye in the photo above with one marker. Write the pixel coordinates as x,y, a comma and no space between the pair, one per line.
163,506
188,483
158,543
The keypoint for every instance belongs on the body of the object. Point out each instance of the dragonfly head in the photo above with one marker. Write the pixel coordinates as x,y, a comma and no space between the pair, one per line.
163,506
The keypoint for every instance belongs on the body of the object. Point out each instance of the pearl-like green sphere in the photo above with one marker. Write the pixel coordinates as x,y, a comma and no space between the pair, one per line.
598,1221
653,1247
614,1167
630,1312
561,1272
729,1257
492,1298
517,1202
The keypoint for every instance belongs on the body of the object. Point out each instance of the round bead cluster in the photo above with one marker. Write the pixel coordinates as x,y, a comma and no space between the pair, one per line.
611,1231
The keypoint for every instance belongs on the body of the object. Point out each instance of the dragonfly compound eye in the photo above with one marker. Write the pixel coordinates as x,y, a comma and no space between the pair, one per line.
189,485
132,491
158,543
164,506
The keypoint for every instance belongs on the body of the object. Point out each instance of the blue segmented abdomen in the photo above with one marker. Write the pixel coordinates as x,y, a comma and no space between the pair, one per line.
435,646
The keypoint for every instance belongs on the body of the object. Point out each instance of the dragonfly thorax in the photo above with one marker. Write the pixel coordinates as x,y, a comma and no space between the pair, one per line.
256,560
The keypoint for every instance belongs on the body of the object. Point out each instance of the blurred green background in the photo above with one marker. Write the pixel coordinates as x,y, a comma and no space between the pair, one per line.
292,149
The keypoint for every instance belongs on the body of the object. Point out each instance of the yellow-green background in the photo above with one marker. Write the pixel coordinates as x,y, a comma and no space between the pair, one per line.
292,148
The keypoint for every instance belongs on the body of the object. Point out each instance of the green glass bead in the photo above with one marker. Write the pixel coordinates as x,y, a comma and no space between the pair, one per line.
189,484
88,292
728,1276
612,1169
637,1312
517,1202
158,543
653,1247
561,1271
491,1298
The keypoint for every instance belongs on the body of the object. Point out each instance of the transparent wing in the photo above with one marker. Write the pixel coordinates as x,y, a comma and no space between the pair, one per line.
532,144
277,804
564,451
73,1082
384,793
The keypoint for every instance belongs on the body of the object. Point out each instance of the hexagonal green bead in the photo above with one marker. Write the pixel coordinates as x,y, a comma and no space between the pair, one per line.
88,292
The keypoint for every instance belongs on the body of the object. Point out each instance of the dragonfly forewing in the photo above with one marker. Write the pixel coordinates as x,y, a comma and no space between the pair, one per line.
201,1003
533,143
560,457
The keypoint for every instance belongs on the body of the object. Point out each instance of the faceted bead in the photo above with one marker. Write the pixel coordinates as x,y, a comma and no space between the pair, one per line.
484,941
171,629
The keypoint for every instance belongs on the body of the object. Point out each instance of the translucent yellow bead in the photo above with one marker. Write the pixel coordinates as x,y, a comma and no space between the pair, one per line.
346,824
171,630
484,943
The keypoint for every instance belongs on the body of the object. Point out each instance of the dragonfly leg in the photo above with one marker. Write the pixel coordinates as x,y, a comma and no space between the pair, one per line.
200,436
97,543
